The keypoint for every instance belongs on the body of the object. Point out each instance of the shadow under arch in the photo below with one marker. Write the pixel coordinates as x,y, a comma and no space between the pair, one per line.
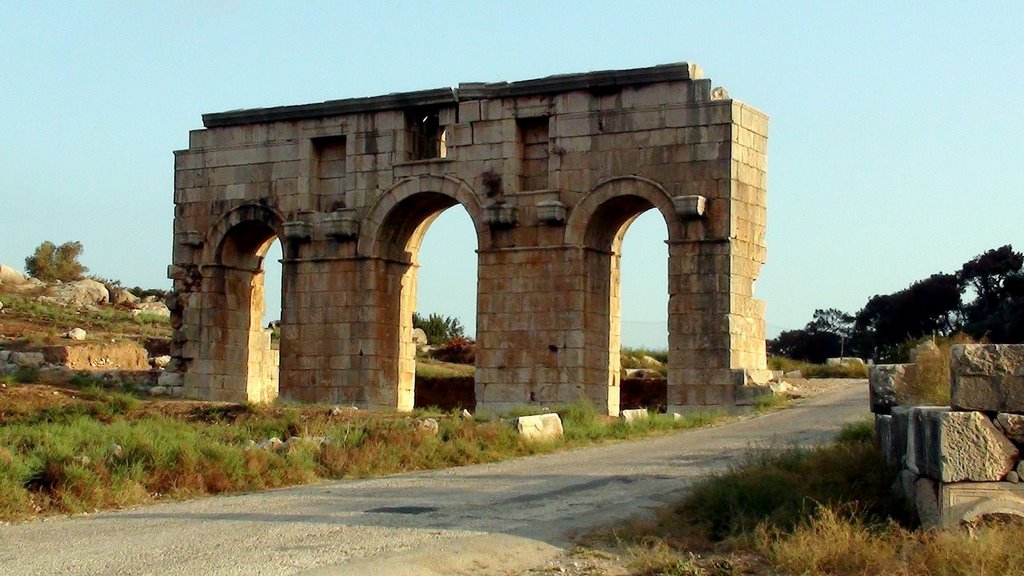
598,224
236,361
390,237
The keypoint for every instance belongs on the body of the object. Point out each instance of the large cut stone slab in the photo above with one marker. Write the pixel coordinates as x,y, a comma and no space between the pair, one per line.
885,383
956,446
988,377
540,427
635,415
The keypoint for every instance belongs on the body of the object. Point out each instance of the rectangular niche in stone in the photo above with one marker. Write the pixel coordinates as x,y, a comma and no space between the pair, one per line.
330,166
533,142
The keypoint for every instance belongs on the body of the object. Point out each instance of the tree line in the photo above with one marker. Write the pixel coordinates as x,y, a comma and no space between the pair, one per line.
984,299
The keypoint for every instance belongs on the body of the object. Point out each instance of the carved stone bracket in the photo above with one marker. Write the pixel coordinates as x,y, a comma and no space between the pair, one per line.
690,207
551,212
298,231
190,238
342,224
501,215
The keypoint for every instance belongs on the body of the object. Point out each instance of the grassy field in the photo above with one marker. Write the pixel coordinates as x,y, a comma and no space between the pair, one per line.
102,449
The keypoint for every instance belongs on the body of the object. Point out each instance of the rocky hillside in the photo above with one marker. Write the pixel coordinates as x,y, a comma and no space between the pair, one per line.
51,332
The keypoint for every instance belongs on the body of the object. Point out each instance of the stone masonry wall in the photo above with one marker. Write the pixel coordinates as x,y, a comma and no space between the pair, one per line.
551,172
961,462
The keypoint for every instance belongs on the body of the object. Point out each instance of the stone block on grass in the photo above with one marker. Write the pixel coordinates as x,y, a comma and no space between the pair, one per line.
539,427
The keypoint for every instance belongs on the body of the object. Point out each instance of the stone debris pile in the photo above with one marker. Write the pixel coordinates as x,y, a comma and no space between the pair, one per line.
961,462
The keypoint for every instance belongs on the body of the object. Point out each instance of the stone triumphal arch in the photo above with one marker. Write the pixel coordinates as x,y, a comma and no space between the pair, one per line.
551,172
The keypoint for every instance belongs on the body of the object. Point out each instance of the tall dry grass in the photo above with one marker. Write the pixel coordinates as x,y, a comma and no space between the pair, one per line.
928,380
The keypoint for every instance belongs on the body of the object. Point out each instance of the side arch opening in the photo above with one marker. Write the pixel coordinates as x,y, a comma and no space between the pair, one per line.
603,241
238,360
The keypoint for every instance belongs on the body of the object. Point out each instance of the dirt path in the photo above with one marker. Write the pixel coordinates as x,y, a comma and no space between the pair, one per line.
500,518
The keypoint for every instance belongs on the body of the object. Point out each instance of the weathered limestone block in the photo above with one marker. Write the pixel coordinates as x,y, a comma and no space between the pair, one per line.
956,446
885,381
1011,425
540,427
988,377
27,359
635,415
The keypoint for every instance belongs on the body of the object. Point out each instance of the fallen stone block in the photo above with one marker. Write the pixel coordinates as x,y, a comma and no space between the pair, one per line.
988,377
885,384
783,389
634,415
539,427
956,446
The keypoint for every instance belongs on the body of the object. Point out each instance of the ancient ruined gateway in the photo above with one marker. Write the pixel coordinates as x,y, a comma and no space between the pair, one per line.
551,171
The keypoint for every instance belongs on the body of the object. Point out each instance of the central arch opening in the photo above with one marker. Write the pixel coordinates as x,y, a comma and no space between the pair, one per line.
446,294
451,258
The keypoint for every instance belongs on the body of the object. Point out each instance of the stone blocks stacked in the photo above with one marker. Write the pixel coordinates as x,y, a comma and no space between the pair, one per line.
962,462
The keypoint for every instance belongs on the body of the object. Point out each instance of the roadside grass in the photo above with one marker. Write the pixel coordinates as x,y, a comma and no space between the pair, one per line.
108,449
828,510
809,370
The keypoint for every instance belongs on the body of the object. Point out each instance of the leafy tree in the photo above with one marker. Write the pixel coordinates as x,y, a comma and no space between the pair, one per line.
439,329
822,338
997,280
50,262
927,307
934,306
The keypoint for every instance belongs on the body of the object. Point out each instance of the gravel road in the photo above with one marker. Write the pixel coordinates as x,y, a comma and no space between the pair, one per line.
486,519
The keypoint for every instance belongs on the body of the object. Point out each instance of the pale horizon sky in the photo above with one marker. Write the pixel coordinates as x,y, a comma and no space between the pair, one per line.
892,151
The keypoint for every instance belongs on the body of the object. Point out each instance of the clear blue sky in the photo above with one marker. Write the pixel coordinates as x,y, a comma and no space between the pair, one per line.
895,127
